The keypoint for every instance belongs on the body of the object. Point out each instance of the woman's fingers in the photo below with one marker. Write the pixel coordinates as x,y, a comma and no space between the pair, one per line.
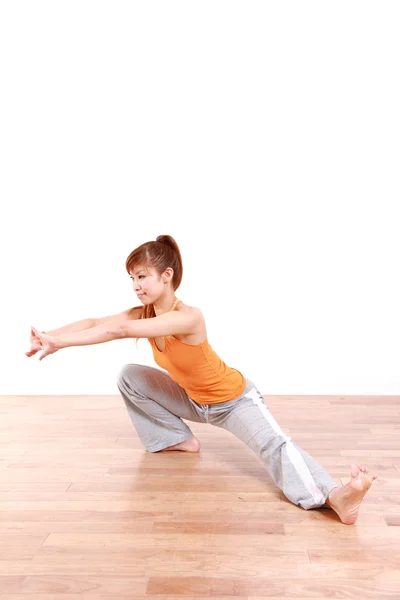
31,353
35,342
34,337
35,347
42,341
47,343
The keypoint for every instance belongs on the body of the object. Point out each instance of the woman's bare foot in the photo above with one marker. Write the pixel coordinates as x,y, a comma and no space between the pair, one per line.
346,500
190,445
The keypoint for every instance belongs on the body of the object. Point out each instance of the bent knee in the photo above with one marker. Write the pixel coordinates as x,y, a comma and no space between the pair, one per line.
128,373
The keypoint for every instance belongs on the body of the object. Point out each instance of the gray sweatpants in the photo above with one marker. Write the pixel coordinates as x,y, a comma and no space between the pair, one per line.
157,404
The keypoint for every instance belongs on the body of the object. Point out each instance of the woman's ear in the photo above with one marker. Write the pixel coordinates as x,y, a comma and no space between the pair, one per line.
168,274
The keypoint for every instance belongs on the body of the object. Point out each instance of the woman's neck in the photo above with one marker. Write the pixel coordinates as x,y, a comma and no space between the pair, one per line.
163,305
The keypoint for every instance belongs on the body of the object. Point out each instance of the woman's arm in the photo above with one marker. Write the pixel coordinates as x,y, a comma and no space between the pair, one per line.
167,324
129,313
49,342
73,327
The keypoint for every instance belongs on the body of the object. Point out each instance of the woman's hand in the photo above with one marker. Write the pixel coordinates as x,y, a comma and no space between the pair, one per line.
35,344
42,341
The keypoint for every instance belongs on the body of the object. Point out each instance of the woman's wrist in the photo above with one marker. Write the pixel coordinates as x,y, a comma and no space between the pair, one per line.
59,342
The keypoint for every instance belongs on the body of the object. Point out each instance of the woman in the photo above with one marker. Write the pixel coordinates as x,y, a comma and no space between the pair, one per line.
196,385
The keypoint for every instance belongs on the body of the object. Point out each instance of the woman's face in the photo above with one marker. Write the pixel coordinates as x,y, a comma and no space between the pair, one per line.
147,284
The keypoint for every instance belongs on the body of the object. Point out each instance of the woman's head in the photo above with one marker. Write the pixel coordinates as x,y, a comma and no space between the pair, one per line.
156,271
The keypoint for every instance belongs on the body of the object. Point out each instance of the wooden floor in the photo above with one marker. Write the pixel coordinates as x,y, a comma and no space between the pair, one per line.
87,513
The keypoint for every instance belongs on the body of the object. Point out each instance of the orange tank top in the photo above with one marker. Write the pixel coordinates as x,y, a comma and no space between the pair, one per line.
198,370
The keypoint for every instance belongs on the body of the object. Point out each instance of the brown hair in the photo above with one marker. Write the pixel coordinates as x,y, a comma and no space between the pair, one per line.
159,255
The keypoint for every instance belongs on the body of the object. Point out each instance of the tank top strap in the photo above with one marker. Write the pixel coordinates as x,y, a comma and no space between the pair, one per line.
174,304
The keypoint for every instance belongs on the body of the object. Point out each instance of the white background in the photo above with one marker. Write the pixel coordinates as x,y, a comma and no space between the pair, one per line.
263,136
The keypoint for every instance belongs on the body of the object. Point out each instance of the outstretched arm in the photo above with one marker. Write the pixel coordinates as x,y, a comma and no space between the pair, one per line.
75,326
170,323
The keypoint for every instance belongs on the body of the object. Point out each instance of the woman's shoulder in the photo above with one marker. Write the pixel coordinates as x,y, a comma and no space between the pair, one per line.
198,333
187,308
